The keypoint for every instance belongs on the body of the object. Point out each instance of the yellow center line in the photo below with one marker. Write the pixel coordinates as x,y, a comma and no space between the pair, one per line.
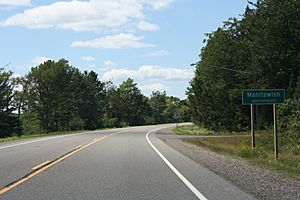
40,165
78,147
34,173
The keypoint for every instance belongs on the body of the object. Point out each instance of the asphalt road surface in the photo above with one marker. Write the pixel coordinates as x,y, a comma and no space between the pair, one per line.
129,163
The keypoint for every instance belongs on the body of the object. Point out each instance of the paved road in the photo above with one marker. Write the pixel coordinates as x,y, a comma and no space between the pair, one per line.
128,163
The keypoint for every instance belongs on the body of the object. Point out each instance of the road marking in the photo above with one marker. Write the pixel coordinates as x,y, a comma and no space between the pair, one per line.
40,165
81,145
39,140
171,166
50,164
61,136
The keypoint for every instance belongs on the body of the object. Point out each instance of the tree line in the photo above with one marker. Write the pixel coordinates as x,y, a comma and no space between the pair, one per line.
262,50
55,96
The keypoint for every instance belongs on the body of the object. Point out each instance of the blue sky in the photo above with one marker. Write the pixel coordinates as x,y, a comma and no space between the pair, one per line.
152,41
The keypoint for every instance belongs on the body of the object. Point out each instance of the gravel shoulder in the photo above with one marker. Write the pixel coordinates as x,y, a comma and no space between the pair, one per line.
262,183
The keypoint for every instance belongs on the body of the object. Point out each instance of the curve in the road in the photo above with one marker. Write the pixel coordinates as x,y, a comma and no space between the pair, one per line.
171,166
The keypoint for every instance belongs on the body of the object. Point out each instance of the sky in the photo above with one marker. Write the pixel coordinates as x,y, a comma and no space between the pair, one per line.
152,41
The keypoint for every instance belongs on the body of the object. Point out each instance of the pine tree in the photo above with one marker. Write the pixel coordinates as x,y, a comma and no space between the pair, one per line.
9,122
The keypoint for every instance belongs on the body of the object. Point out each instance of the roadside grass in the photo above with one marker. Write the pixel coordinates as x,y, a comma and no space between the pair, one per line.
192,130
197,130
239,146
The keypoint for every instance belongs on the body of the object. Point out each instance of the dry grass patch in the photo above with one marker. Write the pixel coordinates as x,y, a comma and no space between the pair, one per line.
240,147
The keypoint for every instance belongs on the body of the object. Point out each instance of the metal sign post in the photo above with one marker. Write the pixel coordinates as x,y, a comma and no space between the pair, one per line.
275,131
176,117
264,97
252,126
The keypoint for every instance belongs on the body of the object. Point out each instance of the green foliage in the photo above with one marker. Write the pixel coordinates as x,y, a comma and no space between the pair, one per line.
158,104
9,122
56,97
164,109
109,122
184,111
49,94
134,106
246,152
173,108
62,98
31,124
92,98
289,121
264,43
76,123
126,105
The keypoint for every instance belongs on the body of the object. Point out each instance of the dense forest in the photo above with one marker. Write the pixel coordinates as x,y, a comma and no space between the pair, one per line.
56,96
260,50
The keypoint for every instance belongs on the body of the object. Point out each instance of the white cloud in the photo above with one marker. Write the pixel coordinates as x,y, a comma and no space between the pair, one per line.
120,41
15,75
109,63
39,60
14,2
92,15
149,73
118,75
148,88
87,58
158,53
146,26
158,4
79,15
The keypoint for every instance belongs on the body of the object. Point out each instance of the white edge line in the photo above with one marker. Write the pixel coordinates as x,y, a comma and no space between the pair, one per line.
171,166
54,137
38,140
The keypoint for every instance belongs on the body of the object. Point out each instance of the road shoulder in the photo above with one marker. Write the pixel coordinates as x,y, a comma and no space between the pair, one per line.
262,183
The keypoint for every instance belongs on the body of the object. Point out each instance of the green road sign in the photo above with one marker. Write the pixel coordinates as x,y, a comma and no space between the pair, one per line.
268,96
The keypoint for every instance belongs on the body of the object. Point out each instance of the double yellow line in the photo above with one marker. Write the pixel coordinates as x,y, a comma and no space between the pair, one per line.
45,165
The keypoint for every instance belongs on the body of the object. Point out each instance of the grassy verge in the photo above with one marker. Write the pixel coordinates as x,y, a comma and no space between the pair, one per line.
196,130
28,136
263,155
192,130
